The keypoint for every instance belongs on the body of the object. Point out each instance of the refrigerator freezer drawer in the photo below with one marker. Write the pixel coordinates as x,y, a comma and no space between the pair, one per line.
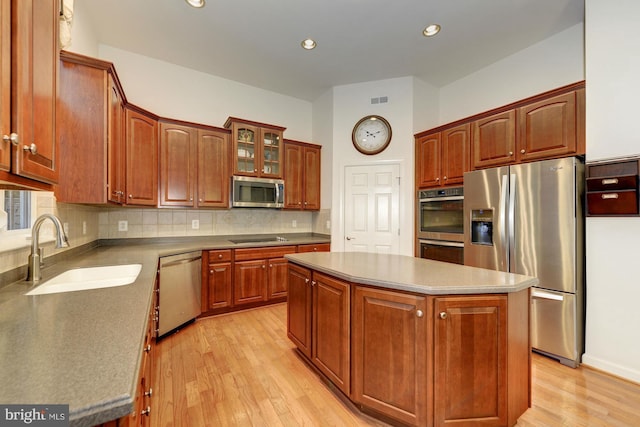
555,328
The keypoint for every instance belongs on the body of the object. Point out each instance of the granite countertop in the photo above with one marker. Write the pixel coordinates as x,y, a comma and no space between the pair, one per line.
412,274
84,348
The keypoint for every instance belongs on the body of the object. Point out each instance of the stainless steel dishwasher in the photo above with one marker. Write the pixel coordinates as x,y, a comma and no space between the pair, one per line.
180,292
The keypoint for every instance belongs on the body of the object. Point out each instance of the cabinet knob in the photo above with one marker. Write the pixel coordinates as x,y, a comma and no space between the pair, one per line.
313,283
191,199
443,314
255,170
306,280
264,266
438,179
445,178
511,153
146,411
147,348
523,151
149,393
131,196
12,138
419,313
220,256
305,203
200,200
33,148
270,265
210,271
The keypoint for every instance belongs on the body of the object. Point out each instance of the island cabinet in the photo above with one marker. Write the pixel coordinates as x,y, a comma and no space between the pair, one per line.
442,157
301,175
193,165
419,359
260,274
390,354
257,148
141,157
29,155
318,322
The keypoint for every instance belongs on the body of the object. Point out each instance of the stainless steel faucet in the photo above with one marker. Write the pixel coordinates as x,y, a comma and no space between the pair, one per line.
33,269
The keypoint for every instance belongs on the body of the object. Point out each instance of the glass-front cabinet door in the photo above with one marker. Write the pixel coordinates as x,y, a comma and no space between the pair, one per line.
245,150
257,148
271,153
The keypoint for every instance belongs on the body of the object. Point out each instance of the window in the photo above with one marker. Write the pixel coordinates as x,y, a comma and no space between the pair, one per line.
17,210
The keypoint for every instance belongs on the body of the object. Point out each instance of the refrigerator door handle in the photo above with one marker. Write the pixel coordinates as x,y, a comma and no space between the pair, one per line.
502,221
536,293
512,222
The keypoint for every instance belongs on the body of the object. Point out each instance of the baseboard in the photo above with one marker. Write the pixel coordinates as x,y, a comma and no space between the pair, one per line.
608,367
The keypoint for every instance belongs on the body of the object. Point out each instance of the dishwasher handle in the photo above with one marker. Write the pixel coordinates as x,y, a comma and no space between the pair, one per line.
181,261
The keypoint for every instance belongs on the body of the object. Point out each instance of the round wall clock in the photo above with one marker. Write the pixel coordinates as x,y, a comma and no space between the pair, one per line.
371,135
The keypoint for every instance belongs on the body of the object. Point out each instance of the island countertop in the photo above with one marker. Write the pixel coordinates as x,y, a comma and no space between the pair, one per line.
412,274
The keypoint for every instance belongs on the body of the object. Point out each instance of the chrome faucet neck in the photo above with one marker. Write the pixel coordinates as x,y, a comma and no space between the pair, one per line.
33,266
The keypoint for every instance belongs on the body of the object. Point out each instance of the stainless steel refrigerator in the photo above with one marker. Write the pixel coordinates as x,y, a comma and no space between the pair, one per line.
529,219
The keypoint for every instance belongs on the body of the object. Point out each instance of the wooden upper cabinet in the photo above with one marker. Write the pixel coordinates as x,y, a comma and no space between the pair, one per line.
178,161
428,161
455,154
141,158
257,148
470,387
213,169
443,157
116,143
302,175
390,354
494,140
547,128
5,84
193,166
34,76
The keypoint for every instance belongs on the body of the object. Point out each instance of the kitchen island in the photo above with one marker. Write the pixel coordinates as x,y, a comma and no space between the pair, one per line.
409,340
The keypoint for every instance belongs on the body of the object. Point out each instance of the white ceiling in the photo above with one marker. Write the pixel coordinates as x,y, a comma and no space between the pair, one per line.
257,42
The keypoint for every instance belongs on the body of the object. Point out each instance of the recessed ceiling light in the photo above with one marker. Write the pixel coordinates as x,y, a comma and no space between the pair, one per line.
308,44
195,3
431,30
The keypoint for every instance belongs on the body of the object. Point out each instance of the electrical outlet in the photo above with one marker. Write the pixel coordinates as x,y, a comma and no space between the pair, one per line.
123,225
294,223
65,227
84,227
328,225
195,224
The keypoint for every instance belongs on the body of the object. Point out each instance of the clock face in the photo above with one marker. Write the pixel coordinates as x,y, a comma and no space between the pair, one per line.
371,134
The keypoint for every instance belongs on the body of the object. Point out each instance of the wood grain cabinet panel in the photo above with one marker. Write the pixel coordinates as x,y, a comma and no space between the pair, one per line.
5,84
331,329
277,282
302,175
470,361
250,282
213,168
220,285
178,162
141,158
548,128
442,158
116,143
494,140
34,76
390,354
428,159
299,307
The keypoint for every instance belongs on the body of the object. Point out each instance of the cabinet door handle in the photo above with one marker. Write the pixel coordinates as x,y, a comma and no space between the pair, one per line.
313,283
522,151
33,148
443,314
264,266
609,196
445,178
12,138
147,348
146,411
511,153
149,393
306,280
438,179
419,313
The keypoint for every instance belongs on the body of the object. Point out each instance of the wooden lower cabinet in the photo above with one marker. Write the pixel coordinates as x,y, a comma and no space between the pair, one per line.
390,354
318,322
217,268
419,360
250,283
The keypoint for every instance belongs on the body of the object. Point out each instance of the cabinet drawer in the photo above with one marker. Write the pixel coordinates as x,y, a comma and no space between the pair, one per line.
246,254
609,183
320,247
220,255
623,202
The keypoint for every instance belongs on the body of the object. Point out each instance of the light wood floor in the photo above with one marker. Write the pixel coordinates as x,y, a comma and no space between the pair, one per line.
241,370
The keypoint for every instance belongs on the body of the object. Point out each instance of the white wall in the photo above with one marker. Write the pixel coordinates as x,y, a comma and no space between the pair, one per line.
551,63
613,281
350,104
322,133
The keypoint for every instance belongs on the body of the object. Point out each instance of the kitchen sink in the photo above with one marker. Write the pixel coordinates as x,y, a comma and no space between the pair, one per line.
81,279
258,240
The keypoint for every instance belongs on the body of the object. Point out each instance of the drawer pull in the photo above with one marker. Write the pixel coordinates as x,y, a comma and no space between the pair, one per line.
149,393
146,411
609,196
609,181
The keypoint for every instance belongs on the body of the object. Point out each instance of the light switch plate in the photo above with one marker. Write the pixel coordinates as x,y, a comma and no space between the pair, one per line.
123,225
195,224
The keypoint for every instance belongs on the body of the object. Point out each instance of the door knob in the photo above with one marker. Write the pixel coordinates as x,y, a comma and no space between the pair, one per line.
350,238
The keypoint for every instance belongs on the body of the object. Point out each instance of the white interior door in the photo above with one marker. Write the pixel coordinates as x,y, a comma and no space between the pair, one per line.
372,208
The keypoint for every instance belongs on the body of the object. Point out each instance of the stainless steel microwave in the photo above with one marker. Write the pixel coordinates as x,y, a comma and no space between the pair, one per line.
250,192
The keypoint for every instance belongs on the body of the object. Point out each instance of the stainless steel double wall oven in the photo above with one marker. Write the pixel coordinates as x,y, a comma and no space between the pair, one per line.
440,228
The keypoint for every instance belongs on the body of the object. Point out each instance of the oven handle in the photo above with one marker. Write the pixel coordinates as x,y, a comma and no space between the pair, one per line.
442,199
443,243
